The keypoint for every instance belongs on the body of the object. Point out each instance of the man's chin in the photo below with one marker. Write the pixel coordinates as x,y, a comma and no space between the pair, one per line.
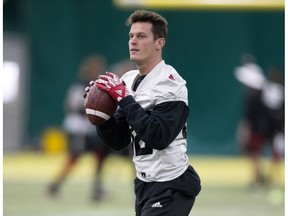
133,58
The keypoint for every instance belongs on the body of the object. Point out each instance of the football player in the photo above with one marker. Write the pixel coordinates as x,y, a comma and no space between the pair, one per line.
82,138
152,115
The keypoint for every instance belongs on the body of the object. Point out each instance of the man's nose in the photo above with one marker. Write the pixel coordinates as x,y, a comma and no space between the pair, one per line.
133,40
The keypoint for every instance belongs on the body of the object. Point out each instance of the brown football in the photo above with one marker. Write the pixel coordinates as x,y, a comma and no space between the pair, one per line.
99,106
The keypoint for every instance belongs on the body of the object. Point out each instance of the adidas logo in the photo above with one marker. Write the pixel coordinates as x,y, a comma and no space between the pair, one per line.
171,77
156,205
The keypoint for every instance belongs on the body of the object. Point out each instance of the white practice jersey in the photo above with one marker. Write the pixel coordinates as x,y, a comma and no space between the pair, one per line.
162,84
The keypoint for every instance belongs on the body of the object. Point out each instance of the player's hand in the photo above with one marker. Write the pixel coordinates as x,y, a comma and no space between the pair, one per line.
111,84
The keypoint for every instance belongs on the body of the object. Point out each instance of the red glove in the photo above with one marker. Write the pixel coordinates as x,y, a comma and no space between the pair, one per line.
111,84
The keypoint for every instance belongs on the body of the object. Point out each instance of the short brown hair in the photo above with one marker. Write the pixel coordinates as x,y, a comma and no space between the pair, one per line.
159,23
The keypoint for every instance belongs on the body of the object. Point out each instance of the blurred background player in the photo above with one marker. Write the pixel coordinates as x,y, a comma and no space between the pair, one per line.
259,123
274,101
82,137
252,127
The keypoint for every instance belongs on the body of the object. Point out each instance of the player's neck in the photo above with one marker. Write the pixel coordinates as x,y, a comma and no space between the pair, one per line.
145,67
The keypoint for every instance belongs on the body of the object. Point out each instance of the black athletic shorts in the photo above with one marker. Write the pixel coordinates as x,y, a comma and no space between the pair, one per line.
169,203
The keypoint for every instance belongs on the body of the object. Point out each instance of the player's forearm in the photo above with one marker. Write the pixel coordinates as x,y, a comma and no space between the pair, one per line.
158,128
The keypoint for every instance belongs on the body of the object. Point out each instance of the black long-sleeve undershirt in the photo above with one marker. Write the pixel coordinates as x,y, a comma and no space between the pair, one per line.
157,128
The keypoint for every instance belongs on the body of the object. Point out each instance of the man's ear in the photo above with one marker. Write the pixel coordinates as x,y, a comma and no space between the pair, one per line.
160,42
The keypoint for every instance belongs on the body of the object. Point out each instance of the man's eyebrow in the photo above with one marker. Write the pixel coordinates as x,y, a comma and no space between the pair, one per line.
137,33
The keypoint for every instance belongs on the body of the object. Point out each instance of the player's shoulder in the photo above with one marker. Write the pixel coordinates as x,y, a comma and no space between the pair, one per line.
170,76
169,86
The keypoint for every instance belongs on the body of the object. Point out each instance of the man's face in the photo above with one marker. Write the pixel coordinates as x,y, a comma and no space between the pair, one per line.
142,45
